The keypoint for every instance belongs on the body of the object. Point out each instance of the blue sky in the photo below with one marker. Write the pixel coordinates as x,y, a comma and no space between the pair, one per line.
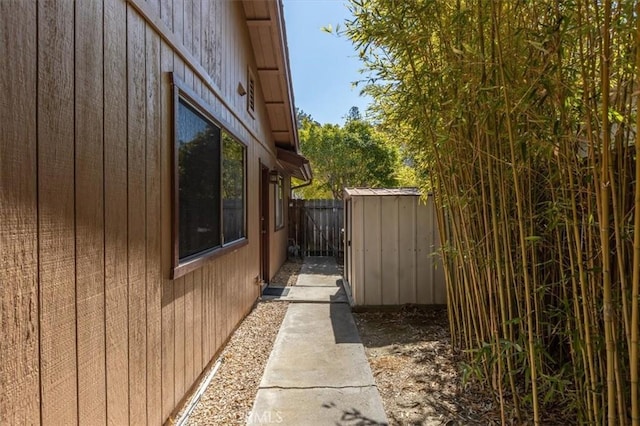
323,65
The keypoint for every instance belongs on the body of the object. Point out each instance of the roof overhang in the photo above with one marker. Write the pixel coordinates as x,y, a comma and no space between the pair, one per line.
265,21
381,192
297,165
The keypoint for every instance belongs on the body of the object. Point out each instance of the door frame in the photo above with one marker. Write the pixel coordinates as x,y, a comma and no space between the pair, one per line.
264,223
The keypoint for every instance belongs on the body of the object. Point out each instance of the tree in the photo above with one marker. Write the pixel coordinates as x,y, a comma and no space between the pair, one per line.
354,114
302,117
356,154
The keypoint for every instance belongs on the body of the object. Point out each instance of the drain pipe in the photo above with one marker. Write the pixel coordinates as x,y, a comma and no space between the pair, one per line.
196,397
307,183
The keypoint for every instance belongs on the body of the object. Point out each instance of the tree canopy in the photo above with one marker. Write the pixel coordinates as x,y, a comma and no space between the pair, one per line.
355,154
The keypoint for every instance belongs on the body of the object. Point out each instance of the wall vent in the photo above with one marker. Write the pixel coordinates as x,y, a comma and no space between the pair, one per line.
251,93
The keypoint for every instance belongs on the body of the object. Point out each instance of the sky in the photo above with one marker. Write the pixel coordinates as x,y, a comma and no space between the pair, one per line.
323,65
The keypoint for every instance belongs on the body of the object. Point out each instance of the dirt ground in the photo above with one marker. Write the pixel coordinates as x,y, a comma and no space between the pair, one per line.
416,370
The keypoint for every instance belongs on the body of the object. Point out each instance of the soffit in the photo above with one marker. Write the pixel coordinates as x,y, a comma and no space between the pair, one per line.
265,22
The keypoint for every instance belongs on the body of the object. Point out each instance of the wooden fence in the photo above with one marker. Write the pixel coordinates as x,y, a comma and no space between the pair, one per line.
316,227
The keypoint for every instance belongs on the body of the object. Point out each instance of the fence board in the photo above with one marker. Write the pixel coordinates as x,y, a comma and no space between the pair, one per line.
316,226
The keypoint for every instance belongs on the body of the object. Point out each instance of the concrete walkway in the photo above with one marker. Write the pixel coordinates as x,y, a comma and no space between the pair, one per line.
318,373
319,281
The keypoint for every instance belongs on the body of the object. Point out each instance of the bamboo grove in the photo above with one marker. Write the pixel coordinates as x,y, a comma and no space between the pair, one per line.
522,119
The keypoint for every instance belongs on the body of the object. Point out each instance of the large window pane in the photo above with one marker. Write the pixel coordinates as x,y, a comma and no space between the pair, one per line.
233,191
198,182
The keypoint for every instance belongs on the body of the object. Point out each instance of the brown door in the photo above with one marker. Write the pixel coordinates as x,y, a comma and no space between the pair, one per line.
264,223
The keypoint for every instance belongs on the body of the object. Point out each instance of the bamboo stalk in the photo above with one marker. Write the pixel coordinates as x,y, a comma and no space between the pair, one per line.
522,236
504,313
635,280
514,136
604,219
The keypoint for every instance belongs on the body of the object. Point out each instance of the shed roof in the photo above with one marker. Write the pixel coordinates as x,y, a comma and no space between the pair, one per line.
368,192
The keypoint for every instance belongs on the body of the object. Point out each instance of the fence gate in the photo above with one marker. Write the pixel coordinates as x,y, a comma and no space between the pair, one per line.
316,227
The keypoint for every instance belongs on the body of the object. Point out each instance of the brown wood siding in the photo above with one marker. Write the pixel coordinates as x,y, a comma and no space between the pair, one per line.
94,329
19,314
115,213
279,240
56,212
168,305
136,134
153,230
89,187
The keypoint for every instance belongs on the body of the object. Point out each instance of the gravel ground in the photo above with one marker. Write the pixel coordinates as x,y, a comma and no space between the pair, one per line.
288,273
230,395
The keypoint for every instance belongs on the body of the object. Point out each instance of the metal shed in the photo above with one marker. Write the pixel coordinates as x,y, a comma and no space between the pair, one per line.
391,239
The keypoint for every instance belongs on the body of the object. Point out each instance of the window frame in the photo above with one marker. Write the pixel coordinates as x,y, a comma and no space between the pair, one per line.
181,267
279,189
244,187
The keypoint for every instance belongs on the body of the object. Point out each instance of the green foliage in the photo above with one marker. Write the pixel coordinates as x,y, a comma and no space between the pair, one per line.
232,168
507,111
355,154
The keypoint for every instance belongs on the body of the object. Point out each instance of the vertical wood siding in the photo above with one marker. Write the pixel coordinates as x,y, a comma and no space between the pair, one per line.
94,331
153,230
115,213
56,212
89,187
19,312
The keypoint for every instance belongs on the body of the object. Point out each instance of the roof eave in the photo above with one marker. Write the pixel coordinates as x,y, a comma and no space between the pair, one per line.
295,164
266,17
278,5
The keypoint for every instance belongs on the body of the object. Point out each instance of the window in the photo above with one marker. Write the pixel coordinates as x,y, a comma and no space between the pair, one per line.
279,203
233,193
198,182
209,184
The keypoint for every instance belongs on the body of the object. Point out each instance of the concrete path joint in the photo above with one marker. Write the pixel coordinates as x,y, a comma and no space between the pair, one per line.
319,387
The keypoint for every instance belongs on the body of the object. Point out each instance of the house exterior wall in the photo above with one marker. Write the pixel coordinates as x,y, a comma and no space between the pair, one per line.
390,258
280,237
94,330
